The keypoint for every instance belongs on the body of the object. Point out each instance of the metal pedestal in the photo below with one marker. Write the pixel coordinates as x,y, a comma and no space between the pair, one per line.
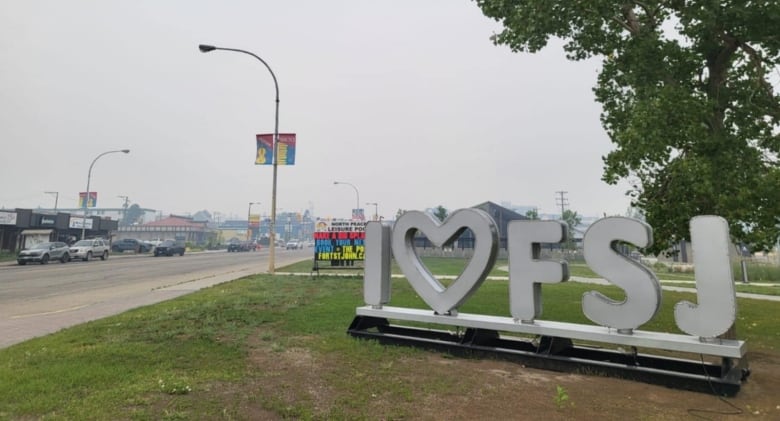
561,354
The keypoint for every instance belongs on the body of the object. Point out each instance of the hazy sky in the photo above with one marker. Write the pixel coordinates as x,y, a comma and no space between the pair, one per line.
407,100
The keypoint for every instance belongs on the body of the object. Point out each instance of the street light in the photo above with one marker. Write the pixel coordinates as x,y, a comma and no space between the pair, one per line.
248,217
357,203
56,198
86,198
376,209
271,257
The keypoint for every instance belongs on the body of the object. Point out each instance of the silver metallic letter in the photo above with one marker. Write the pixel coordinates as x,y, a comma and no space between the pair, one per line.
643,291
440,299
526,271
376,277
717,307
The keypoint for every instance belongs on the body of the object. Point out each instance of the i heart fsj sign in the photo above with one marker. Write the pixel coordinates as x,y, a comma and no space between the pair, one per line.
712,315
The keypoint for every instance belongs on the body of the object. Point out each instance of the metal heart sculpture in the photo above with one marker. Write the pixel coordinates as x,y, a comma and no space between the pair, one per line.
443,300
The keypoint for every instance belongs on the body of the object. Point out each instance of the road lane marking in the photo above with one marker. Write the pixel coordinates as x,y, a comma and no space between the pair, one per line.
23,316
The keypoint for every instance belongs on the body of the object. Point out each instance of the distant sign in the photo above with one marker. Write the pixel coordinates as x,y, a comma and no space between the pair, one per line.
78,222
7,218
340,242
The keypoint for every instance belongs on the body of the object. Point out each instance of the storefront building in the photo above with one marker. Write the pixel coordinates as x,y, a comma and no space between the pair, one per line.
21,228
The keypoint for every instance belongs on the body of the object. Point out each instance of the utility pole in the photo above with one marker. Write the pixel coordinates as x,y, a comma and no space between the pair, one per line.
56,198
124,210
562,201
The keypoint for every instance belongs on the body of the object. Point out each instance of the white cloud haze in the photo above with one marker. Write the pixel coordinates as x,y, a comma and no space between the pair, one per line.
409,101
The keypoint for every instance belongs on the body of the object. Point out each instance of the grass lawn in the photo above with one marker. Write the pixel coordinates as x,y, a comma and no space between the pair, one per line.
218,354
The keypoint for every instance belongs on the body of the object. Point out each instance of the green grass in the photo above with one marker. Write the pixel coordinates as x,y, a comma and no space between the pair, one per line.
7,257
196,355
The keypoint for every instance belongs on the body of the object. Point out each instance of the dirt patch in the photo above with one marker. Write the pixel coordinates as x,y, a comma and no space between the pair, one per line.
296,383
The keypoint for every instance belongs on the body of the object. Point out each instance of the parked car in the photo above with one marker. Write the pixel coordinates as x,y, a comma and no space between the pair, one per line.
87,249
169,248
130,244
293,245
43,252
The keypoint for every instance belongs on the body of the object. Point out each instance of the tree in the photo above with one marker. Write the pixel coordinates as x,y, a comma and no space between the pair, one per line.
635,213
572,219
133,215
202,215
686,100
532,214
440,212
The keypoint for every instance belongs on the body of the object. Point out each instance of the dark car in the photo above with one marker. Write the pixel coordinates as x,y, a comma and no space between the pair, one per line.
43,252
241,246
131,244
169,248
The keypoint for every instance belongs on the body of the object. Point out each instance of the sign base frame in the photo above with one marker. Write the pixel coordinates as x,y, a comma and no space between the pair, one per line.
561,354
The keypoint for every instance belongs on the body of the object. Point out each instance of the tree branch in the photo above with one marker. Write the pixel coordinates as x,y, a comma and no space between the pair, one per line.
631,21
649,11
757,62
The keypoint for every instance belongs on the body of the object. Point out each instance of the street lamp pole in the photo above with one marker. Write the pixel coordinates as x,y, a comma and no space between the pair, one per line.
357,203
56,198
248,218
376,210
86,198
271,257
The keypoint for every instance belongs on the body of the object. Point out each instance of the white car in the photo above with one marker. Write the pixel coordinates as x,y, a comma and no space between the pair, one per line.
88,249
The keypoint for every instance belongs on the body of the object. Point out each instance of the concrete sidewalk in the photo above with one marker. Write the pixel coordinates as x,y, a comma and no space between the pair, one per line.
685,289
692,289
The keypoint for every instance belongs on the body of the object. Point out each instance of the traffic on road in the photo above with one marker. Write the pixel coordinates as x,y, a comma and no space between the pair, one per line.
86,250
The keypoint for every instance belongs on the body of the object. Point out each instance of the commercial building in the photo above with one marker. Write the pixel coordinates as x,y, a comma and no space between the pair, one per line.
21,228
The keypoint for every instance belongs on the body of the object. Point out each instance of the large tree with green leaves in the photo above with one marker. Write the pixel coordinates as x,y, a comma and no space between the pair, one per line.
687,96
133,214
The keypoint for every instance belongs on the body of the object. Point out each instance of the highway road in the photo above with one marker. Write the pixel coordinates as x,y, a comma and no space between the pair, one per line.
37,300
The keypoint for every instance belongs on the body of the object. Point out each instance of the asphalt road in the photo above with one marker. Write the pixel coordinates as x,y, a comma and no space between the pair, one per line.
36,300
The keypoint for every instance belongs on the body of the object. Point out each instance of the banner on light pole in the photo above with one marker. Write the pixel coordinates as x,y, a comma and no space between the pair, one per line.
91,203
265,149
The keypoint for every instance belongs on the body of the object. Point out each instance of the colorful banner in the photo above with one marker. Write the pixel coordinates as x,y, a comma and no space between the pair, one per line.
92,199
286,149
265,149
